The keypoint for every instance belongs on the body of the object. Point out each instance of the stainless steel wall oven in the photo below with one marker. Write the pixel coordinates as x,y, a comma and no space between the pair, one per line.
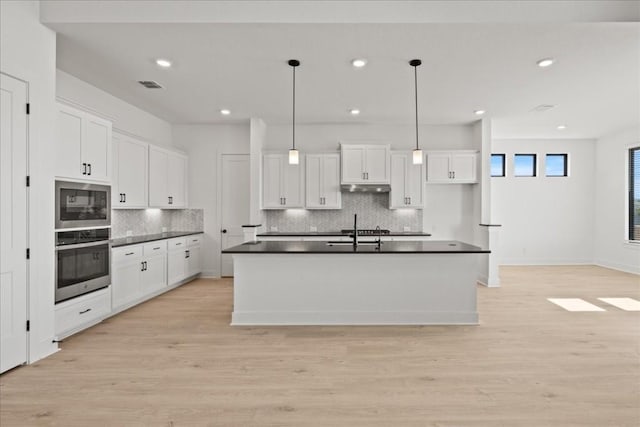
82,262
82,205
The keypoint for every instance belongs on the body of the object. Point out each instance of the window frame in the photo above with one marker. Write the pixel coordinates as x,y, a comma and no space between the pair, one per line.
630,201
566,165
504,165
535,165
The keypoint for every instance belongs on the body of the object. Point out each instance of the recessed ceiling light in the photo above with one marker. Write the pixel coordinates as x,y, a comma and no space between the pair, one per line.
545,62
562,127
225,112
359,62
164,63
354,112
479,112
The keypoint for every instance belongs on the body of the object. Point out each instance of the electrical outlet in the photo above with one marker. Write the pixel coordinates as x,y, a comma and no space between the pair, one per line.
313,228
407,228
129,233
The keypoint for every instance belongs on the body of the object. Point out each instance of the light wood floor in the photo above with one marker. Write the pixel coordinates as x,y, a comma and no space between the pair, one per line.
175,361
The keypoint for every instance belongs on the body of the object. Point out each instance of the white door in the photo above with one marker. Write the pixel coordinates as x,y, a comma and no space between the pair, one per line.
69,142
313,181
377,164
13,223
158,164
272,170
438,167
234,205
96,148
353,164
398,195
332,198
130,158
177,190
463,166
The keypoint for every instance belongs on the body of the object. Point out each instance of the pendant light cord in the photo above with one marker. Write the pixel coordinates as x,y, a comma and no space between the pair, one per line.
294,107
415,73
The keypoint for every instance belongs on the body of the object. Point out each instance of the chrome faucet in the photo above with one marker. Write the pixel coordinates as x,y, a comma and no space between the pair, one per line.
379,233
355,230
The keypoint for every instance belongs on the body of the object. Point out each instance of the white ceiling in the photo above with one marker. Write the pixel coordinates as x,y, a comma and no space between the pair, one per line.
595,83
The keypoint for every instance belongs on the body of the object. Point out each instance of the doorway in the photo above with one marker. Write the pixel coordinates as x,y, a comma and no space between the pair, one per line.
13,222
234,205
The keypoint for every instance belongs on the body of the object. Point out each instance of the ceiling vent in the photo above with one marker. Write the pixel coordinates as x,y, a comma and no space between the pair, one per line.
150,84
542,108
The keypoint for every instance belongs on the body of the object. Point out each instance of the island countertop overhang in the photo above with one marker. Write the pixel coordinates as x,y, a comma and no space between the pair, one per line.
322,247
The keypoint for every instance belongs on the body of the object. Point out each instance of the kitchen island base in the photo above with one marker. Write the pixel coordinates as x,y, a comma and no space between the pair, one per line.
355,289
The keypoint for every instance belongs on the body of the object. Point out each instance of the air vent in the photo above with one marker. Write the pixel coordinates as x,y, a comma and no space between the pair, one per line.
542,108
150,84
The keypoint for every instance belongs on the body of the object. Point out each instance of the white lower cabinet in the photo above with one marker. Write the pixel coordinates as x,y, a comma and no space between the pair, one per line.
81,312
184,259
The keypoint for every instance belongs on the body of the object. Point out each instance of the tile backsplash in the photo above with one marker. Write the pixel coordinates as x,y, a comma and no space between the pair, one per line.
372,209
151,221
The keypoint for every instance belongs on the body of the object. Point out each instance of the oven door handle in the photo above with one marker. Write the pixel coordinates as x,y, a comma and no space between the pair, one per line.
82,245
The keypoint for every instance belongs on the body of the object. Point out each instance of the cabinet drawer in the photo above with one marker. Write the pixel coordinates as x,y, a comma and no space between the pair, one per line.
177,243
72,314
194,240
155,248
126,253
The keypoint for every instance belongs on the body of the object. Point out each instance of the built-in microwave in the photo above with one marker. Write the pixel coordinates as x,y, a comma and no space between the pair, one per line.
82,205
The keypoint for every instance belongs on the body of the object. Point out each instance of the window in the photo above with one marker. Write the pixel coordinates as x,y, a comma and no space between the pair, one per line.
524,165
634,193
556,165
497,164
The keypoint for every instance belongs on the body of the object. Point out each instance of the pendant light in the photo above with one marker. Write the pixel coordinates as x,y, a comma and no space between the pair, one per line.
294,157
417,153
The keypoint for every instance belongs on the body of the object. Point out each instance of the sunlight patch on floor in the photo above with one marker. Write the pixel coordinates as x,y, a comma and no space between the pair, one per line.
575,304
626,304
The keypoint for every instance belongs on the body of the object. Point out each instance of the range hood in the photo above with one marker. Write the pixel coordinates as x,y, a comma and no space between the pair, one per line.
365,188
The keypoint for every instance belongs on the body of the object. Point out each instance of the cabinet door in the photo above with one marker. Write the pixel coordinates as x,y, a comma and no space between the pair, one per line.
332,197
126,284
158,164
377,164
176,180
438,167
69,142
130,173
154,277
414,184
353,164
194,261
293,185
313,184
272,177
398,198
96,148
176,264
463,166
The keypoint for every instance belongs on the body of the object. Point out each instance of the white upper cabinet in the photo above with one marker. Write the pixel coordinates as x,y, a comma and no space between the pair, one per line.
130,158
83,145
452,167
406,182
167,179
323,181
282,183
365,164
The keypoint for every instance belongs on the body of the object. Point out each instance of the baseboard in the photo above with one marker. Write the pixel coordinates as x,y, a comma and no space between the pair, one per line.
619,267
516,261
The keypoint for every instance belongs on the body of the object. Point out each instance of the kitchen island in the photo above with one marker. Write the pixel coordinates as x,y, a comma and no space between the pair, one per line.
323,283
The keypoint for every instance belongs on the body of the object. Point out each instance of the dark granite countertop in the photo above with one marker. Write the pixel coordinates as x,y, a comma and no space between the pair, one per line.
134,240
334,234
408,247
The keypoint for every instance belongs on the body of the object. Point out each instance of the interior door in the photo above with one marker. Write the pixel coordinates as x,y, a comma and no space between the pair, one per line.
234,205
13,223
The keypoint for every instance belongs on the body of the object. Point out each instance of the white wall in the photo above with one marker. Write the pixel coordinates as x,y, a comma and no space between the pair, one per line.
28,52
126,118
204,145
611,248
546,220
448,212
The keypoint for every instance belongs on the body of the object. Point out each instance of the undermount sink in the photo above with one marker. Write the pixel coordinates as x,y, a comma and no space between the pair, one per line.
341,243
